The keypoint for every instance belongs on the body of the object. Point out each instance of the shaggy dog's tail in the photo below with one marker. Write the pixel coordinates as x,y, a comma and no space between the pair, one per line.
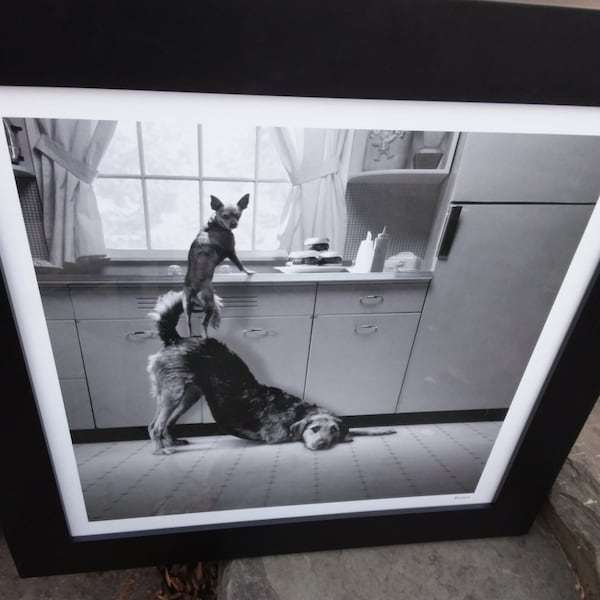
166,313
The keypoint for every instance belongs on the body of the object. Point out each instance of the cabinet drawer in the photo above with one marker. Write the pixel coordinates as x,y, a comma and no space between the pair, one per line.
242,300
114,302
367,298
271,301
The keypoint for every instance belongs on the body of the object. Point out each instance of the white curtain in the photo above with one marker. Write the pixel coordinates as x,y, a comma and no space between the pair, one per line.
66,157
317,162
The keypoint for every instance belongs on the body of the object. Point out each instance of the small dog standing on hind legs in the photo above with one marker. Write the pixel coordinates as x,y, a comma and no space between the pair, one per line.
186,369
211,247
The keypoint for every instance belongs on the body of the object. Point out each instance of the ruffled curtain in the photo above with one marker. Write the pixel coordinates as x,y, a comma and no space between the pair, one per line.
66,155
317,164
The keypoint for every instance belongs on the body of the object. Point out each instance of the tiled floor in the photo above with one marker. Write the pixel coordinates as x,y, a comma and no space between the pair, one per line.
124,479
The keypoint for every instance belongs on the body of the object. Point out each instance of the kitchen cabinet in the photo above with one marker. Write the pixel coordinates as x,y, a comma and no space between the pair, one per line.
361,341
67,356
269,327
274,348
518,168
342,344
487,304
116,338
77,403
115,353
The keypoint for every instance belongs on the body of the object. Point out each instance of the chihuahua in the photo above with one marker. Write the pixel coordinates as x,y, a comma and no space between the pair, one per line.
212,245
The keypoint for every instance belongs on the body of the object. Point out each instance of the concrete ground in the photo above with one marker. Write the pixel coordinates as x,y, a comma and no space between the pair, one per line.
531,567
556,560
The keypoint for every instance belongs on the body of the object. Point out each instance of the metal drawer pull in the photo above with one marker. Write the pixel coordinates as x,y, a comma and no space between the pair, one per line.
366,329
140,335
256,332
371,299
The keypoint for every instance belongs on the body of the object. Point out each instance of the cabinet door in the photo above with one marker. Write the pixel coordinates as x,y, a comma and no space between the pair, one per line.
69,366
115,355
506,167
274,348
487,304
57,303
357,362
77,403
65,347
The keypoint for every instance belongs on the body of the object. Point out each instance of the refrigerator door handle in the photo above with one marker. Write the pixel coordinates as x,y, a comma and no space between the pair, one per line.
449,232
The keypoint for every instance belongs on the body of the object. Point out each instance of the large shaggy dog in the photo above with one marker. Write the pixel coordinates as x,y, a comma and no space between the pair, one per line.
188,368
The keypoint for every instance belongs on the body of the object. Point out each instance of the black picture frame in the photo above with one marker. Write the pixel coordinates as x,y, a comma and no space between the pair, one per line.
459,51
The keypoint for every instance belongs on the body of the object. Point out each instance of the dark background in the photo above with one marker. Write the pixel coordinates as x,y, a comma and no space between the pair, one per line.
400,49
390,49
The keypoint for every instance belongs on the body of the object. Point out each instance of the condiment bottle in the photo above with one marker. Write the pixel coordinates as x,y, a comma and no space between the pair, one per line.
380,250
364,256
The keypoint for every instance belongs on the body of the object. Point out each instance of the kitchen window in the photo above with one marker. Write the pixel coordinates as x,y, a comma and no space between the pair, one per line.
156,179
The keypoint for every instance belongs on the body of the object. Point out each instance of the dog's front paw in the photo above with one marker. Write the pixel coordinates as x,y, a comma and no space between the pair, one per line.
248,272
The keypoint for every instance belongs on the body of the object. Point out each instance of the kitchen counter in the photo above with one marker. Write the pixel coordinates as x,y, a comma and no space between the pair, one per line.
222,279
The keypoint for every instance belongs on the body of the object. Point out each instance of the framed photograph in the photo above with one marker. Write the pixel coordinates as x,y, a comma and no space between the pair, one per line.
254,321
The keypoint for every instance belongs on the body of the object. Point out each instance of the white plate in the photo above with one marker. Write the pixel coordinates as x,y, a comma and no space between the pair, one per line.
312,269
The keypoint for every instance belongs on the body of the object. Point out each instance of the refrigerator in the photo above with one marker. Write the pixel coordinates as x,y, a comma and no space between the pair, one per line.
505,247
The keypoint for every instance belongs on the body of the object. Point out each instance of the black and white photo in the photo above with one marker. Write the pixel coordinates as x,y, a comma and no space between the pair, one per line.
261,309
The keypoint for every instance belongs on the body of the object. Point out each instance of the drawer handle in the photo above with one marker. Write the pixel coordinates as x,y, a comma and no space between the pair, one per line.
366,329
255,332
140,335
371,300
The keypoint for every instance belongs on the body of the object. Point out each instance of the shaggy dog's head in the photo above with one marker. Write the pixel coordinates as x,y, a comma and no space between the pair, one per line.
319,431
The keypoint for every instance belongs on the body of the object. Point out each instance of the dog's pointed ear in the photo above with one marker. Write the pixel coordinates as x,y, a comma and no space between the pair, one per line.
215,203
297,429
243,201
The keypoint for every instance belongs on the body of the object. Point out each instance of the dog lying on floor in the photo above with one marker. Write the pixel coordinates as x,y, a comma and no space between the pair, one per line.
186,369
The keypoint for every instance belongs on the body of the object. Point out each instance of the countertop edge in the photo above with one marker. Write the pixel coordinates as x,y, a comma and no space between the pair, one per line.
237,279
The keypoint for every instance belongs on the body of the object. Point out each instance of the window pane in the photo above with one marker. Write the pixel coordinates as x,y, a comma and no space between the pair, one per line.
229,192
121,209
121,156
228,151
170,148
269,208
173,208
269,163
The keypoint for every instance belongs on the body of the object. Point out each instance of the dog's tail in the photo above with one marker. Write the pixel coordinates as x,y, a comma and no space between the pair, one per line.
368,431
166,313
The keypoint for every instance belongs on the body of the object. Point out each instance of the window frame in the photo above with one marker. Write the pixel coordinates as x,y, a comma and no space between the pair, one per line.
154,254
